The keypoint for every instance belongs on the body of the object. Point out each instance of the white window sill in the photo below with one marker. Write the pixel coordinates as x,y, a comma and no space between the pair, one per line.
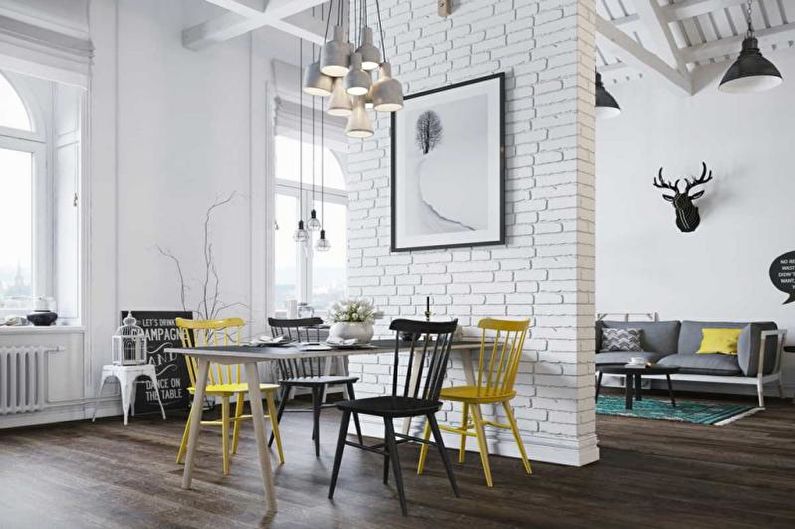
51,329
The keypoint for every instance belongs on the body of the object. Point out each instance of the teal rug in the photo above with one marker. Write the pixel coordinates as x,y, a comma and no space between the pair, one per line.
714,413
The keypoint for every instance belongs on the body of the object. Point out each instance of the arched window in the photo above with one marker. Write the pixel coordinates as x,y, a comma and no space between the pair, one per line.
300,272
13,112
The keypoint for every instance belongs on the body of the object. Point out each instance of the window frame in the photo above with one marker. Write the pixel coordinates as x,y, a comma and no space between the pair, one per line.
305,259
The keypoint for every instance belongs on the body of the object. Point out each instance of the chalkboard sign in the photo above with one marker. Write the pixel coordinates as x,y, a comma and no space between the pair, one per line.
782,274
172,374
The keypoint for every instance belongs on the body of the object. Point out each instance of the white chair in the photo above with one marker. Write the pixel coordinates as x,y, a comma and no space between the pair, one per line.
127,376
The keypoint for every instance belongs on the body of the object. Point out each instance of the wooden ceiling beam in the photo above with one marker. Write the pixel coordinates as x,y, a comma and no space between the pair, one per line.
693,8
731,45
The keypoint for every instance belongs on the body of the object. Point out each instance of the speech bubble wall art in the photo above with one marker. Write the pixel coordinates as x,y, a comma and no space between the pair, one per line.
782,274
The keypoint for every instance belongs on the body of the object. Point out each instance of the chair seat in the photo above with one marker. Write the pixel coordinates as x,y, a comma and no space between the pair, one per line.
390,406
228,389
470,394
318,381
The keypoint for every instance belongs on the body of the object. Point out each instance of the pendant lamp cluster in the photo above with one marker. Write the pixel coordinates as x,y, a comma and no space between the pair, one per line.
303,235
343,73
750,73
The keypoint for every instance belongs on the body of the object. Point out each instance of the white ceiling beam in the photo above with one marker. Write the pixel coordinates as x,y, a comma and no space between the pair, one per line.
693,8
635,55
244,17
731,46
303,25
660,30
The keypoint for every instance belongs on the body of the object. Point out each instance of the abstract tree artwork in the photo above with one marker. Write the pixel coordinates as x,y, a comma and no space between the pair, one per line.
447,167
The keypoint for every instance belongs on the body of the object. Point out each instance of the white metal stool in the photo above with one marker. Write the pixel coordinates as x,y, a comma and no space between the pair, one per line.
127,375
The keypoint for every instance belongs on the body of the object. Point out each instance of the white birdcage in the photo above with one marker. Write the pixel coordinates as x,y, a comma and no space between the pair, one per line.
129,343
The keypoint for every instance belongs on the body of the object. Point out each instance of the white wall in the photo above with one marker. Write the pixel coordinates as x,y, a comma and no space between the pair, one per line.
720,271
545,271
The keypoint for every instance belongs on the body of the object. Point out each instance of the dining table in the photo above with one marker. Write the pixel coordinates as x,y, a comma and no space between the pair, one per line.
250,355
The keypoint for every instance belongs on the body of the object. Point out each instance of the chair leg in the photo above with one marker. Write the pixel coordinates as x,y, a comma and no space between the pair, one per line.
426,434
275,425
517,436
317,401
346,419
352,396
225,433
282,403
183,445
448,466
477,418
239,402
465,425
389,438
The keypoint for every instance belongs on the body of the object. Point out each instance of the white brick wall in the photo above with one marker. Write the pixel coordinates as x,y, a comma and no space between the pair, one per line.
546,269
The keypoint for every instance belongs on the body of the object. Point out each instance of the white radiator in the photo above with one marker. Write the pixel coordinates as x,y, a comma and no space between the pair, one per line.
22,378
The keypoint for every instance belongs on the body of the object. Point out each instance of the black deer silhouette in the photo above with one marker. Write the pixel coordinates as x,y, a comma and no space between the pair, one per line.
687,217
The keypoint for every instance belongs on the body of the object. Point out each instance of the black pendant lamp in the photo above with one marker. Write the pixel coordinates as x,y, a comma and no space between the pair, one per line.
606,105
751,72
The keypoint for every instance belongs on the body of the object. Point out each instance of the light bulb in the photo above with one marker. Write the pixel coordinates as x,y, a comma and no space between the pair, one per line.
313,224
322,244
300,235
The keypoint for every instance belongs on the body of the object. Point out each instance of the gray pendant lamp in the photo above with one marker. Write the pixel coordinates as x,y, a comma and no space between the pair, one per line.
316,83
359,123
340,103
751,72
357,81
387,92
606,105
371,56
335,57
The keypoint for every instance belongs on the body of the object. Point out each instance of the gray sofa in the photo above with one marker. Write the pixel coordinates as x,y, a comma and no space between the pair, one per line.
674,343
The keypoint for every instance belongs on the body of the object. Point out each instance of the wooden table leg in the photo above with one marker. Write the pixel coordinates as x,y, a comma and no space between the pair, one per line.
638,394
629,378
671,390
598,386
258,418
195,420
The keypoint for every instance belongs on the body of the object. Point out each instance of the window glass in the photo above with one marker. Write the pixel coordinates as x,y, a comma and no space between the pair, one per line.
16,220
13,113
329,275
286,261
288,168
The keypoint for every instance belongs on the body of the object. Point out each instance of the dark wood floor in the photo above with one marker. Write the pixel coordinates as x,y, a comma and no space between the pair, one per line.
653,474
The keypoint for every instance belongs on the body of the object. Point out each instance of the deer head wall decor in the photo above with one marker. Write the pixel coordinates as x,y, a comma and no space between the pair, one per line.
687,217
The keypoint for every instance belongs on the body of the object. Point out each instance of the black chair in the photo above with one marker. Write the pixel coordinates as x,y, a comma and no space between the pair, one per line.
307,372
428,349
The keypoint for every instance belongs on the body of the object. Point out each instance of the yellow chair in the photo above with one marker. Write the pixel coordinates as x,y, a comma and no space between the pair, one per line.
224,381
497,368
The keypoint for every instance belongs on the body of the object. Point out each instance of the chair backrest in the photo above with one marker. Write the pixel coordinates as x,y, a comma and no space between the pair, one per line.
499,361
425,374
201,333
301,330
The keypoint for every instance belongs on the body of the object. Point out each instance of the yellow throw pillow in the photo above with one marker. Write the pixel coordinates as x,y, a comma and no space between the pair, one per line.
720,341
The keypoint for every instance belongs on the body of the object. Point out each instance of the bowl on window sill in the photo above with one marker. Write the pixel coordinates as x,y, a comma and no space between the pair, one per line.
42,318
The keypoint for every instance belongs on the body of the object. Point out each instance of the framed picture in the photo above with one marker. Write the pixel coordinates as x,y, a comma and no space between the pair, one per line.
448,179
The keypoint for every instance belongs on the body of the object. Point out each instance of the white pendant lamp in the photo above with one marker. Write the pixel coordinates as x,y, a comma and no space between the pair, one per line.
357,81
359,123
315,82
340,102
751,72
387,93
371,56
335,57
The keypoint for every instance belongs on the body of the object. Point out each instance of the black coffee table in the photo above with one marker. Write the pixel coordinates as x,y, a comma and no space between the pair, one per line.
633,376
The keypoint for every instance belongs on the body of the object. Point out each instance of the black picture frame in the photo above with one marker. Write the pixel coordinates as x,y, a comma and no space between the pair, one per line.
501,193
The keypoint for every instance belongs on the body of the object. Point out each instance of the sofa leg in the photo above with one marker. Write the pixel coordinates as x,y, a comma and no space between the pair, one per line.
760,392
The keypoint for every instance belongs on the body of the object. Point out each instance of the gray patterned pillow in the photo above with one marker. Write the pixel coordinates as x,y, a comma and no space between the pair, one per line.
621,340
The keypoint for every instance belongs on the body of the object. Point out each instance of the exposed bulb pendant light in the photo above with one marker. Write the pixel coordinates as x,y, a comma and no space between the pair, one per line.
357,81
300,236
313,224
335,57
387,92
316,83
359,124
323,244
606,105
751,72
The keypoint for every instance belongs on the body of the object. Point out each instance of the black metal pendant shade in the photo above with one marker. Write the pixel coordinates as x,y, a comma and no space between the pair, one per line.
606,105
751,72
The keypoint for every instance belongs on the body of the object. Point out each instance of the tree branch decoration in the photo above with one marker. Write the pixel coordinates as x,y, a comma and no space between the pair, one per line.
210,305
429,131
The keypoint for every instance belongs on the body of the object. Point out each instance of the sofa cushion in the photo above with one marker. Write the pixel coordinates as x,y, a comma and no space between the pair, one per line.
723,341
703,364
657,336
747,346
623,357
621,339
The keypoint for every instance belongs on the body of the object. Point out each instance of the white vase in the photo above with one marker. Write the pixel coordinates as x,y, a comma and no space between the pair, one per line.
344,330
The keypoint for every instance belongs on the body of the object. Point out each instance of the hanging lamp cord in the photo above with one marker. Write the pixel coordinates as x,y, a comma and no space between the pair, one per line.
322,171
301,130
381,30
325,35
750,32
314,165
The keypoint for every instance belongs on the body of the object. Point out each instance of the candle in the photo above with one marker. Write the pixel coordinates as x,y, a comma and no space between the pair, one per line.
427,305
